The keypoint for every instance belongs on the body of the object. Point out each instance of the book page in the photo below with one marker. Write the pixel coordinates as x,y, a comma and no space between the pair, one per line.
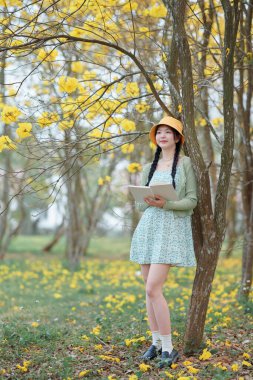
165,190
140,192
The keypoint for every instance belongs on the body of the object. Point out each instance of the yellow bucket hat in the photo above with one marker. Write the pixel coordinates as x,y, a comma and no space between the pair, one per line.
171,122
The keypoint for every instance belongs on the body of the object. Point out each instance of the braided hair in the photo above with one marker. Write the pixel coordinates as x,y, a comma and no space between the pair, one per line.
175,160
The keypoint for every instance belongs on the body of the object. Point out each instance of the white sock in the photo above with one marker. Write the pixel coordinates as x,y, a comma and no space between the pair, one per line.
156,340
166,343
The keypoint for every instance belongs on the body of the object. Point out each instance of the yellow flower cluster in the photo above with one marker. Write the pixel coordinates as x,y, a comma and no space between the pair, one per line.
10,114
134,167
47,118
128,342
6,143
24,367
128,125
96,330
43,55
77,67
83,373
129,6
24,130
144,367
132,89
127,148
142,107
65,124
102,181
97,133
109,358
205,354
157,11
67,84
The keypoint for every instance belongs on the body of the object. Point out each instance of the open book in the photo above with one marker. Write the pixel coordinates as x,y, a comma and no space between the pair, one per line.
165,190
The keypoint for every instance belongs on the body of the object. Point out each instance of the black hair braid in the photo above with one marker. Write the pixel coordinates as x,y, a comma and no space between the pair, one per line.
175,161
154,164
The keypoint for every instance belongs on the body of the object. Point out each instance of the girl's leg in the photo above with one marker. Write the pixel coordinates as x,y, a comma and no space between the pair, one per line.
150,311
157,275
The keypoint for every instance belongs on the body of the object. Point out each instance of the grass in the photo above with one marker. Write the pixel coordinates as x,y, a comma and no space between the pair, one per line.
34,244
91,323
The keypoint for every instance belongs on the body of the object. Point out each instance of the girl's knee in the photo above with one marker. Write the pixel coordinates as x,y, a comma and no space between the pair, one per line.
153,291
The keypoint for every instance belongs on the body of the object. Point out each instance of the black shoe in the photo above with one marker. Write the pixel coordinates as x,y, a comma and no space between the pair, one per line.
151,353
167,359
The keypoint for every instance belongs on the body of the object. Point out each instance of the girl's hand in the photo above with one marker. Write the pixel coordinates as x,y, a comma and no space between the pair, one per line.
156,201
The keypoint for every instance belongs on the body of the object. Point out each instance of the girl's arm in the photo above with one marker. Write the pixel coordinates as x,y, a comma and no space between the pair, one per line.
190,199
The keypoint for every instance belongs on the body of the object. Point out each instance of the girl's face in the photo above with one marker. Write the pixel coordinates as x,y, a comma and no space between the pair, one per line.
165,137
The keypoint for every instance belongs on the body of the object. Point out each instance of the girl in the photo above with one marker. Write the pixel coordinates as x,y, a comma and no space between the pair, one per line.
163,236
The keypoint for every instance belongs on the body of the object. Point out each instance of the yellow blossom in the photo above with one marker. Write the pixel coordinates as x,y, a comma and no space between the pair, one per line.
65,124
10,114
83,373
47,118
57,295
77,32
174,365
109,358
43,55
77,67
192,370
128,125
24,130
127,148
187,362
35,324
98,346
246,355
6,143
130,6
142,107
85,337
145,32
134,167
96,330
24,367
100,181
235,367
144,367
132,89
67,84
88,75
247,364
158,11
205,354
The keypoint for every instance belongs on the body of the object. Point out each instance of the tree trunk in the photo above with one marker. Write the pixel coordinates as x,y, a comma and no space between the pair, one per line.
212,233
245,93
58,234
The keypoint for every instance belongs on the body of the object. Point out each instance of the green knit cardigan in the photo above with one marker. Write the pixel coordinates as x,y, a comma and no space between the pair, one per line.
186,190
